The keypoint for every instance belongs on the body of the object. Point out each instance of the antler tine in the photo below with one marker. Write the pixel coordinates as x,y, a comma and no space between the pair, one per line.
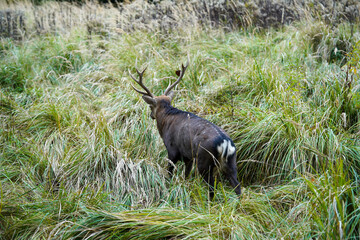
141,92
147,91
183,68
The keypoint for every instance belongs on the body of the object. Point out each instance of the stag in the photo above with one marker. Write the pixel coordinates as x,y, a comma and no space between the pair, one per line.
190,138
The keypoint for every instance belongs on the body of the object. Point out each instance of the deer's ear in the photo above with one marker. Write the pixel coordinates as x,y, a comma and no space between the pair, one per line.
171,95
149,100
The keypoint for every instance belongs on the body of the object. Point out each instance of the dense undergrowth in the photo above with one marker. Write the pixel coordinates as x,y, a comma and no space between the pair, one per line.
81,158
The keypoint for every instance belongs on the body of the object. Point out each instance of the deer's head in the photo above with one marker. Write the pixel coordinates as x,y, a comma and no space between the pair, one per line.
155,101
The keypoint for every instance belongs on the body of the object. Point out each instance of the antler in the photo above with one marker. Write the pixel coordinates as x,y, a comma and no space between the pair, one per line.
181,74
148,92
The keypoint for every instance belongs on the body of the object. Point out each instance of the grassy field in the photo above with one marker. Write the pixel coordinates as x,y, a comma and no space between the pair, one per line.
80,157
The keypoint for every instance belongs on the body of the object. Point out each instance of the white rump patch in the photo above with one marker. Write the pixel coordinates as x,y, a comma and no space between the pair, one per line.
226,148
222,148
231,149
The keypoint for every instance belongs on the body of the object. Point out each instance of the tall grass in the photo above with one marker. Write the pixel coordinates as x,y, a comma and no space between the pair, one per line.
22,19
80,157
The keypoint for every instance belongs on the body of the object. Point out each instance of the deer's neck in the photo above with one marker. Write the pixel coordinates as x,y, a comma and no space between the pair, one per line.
166,115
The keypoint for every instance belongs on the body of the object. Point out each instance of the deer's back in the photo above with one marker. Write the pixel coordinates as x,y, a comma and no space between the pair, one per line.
195,137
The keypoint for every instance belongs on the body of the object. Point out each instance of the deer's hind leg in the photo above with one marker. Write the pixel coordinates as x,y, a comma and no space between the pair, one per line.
207,175
231,174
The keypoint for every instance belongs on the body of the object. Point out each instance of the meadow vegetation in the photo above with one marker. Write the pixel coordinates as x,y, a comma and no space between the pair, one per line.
80,157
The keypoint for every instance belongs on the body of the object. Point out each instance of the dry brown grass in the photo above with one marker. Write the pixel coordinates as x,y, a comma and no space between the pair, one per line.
25,19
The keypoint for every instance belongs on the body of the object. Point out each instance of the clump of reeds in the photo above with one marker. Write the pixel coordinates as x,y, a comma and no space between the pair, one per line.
22,19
